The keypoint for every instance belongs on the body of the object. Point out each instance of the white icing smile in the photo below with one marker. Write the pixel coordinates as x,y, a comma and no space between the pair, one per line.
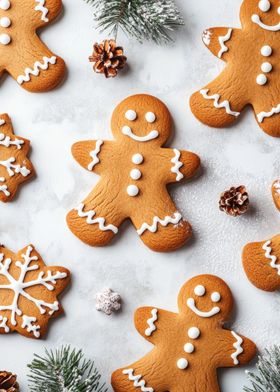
211,313
257,20
127,131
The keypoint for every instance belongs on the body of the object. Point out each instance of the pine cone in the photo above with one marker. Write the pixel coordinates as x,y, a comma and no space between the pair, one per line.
8,382
108,58
234,201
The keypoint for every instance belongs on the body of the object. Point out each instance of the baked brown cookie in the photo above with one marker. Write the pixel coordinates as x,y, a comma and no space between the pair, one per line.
190,345
251,75
15,168
261,260
28,292
135,170
23,55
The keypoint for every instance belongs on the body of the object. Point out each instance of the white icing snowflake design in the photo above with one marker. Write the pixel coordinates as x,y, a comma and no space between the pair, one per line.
14,276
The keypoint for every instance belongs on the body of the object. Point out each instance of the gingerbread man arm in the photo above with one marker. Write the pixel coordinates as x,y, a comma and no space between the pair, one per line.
219,40
153,323
235,349
182,164
45,11
93,155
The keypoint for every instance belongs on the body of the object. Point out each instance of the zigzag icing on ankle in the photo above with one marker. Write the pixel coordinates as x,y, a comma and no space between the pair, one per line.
262,115
223,105
222,41
163,222
36,69
91,220
138,383
271,257
41,7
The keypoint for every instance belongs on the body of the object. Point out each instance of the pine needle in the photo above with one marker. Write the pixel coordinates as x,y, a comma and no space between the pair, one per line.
267,376
151,20
64,370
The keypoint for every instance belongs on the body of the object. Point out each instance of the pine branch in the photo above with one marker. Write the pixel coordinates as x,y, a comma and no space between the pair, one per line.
152,20
267,377
64,370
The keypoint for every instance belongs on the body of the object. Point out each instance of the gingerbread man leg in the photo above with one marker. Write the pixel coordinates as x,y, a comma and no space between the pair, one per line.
162,228
219,103
96,221
268,117
37,68
141,374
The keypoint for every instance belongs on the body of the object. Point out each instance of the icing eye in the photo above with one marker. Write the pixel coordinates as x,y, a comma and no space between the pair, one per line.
264,5
199,290
150,117
131,115
215,297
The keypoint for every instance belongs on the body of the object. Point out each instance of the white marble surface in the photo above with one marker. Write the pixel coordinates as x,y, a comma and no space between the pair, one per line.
81,109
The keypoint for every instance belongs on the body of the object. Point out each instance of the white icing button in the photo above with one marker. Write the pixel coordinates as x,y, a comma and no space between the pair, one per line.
189,348
264,5
132,190
5,22
266,67
193,333
137,159
150,117
261,79
266,51
199,290
215,297
135,174
131,115
5,39
182,364
5,4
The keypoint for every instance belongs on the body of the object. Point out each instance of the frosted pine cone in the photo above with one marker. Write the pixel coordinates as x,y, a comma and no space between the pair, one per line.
8,382
108,58
234,201
108,301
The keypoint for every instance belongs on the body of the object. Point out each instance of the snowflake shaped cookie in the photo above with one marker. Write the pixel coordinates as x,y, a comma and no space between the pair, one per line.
28,292
15,168
108,301
23,55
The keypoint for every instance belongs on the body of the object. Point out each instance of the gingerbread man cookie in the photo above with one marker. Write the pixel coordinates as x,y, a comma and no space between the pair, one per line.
23,55
15,168
135,171
29,292
251,75
190,345
261,260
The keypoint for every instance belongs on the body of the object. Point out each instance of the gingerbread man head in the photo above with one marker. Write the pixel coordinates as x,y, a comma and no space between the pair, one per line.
263,14
142,118
206,297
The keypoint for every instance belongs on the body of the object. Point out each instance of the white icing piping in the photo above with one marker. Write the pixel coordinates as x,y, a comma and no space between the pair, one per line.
225,104
237,345
151,323
137,383
211,313
277,186
90,221
164,222
2,122
28,323
3,324
222,41
128,132
177,165
94,154
41,7
36,69
14,169
18,286
7,142
271,257
257,20
262,115
4,188
206,37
